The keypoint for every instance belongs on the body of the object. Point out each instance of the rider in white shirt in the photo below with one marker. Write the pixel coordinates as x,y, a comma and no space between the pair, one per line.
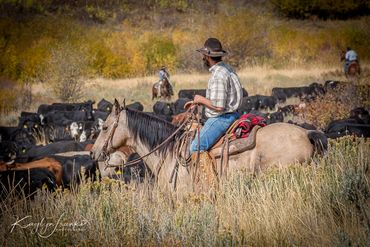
351,56
163,75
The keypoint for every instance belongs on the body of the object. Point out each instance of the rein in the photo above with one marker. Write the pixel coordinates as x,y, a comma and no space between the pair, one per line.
138,160
109,139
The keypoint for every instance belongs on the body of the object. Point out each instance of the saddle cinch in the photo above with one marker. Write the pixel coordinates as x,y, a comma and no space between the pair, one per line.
234,145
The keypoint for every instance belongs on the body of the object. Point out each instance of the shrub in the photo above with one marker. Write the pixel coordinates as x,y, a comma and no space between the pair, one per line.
66,72
336,104
323,8
157,50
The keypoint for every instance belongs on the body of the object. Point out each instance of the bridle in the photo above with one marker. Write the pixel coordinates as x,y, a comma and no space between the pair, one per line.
104,151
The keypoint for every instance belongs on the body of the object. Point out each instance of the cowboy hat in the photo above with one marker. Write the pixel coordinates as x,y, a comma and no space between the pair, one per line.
212,48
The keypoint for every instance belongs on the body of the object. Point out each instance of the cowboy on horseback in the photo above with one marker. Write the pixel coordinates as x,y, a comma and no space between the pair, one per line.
163,74
163,87
223,97
350,57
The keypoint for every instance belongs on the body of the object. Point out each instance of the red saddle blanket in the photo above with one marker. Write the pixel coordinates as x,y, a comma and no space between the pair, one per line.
246,123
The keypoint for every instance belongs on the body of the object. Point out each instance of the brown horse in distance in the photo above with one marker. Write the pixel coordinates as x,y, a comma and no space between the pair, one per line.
162,89
353,68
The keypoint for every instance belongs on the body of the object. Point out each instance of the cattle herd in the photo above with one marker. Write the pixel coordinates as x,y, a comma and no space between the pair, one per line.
51,146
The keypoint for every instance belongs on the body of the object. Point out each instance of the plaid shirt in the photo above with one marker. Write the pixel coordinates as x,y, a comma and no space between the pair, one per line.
224,89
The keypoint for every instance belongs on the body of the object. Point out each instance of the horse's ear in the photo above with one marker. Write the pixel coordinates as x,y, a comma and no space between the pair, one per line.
116,107
124,103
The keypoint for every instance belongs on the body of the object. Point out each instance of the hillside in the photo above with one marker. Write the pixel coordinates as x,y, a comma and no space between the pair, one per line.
58,42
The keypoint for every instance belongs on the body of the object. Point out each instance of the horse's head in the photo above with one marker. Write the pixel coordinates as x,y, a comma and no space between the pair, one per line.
113,135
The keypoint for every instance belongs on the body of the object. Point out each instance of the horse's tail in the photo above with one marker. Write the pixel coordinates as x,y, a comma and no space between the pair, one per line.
318,140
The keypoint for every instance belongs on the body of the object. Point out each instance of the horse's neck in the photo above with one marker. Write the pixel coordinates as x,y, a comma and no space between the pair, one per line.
154,161
162,169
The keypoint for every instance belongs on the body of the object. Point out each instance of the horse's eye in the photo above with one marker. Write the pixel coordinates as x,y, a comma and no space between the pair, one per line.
105,127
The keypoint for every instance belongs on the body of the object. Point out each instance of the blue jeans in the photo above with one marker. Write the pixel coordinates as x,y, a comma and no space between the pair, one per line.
212,130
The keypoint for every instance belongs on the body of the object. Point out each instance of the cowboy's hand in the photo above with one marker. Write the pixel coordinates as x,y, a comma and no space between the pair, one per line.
189,104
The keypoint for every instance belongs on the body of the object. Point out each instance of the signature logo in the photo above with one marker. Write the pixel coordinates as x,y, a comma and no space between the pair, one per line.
45,228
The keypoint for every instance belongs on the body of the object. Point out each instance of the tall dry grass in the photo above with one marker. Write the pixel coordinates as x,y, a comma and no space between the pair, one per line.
325,202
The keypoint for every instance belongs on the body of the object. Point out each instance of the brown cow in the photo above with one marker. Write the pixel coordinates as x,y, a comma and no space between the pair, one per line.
49,163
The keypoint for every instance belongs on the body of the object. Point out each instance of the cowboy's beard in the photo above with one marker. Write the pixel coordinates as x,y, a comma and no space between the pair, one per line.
206,64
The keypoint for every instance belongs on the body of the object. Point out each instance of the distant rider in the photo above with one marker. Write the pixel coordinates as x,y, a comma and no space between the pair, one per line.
350,57
163,75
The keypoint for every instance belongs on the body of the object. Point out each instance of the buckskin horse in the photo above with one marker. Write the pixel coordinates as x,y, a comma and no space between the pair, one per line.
162,89
277,144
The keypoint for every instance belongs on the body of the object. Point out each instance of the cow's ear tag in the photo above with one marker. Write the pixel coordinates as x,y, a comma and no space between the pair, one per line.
44,186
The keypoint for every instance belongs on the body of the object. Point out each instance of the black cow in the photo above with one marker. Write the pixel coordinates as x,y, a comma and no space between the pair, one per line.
31,124
281,94
7,133
26,182
136,106
66,117
306,92
85,106
350,126
189,93
29,116
100,114
288,109
266,102
87,130
360,114
330,84
39,152
163,108
72,166
178,105
311,92
55,133
105,106
134,173
8,151
248,104
17,135
96,128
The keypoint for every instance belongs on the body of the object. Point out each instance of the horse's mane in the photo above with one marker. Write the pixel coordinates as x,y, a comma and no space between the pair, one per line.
151,130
